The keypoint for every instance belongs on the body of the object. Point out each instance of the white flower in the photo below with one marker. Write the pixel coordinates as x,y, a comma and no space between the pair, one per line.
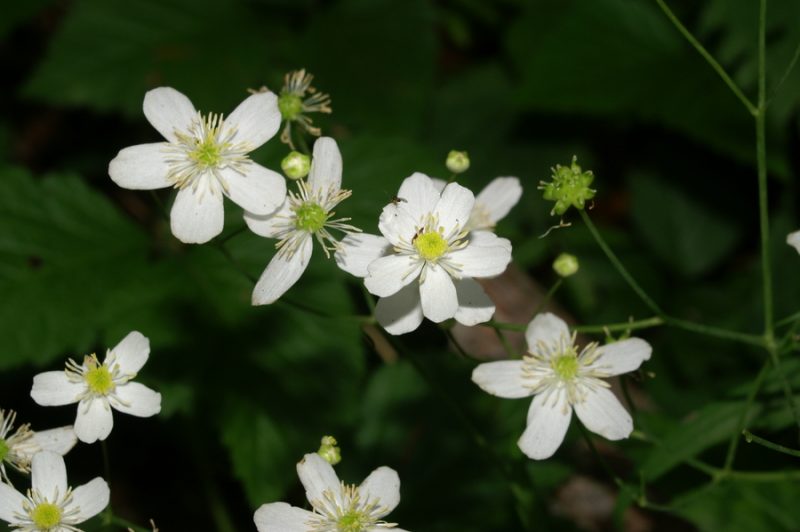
426,261
17,449
99,387
563,379
205,157
50,505
793,239
492,204
302,217
337,507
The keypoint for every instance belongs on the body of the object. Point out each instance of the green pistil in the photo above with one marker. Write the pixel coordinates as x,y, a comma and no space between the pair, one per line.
99,380
290,105
351,522
430,246
565,366
46,515
311,217
4,448
569,187
207,153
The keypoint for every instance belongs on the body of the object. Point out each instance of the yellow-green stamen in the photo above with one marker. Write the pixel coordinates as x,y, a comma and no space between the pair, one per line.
46,515
566,366
4,448
430,245
351,522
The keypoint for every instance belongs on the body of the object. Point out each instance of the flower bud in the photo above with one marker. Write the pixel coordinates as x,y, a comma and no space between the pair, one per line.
569,187
566,265
329,451
457,161
296,165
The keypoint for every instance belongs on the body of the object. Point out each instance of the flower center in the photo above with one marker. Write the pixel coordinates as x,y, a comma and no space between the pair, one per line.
4,448
430,245
565,366
207,152
352,521
290,105
311,217
46,515
99,380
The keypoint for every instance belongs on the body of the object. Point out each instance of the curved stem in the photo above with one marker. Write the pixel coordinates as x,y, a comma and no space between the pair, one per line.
785,75
548,296
741,425
708,57
749,437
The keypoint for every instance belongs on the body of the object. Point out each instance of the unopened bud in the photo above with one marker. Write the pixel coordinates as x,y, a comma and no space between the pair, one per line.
329,451
566,265
296,165
457,161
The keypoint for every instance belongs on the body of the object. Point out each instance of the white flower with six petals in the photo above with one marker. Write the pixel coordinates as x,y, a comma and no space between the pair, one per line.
17,449
205,157
338,507
425,263
52,506
302,217
563,379
99,387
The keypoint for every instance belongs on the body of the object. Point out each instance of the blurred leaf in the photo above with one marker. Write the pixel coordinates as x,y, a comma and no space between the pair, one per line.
683,232
15,13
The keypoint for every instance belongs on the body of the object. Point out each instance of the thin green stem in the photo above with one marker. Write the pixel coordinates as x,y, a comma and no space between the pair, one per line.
124,523
618,265
741,425
708,57
785,75
655,321
725,334
792,318
548,296
749,437
610,472
510,351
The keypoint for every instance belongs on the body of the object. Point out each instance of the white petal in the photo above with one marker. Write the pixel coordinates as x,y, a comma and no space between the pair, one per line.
90,499
256,119
169,111
474,306
142,167
623,356
793,239
53,388
318,477
387,275
438,294
358,250
326,166
196,218
59,441
10,503
397,224
94,421
439,184
503,378
420,195
499,196
271,225
131,353
382,485
261,191
454,207
547,329
400,313
280,517
486,256
49,475
137,400
602,413
548,420
282,273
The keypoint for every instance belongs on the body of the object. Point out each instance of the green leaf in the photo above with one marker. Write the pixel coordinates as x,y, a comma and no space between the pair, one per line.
682,231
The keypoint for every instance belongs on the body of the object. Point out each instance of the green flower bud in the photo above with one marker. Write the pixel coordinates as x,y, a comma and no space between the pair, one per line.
569,187
566,265
296,165
457,161
329,451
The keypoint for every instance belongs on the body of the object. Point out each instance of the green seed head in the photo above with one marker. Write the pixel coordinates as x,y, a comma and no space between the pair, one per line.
457,161
46,515
296,165
566,366
566,265
351,522
4,448
311,217
290,105
569,187
431,245
99,380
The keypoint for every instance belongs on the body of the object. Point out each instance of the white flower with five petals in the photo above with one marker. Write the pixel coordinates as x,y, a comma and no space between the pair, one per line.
205,157
562,379
17,448
50,505
99,387
337,507
425,263
302,217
